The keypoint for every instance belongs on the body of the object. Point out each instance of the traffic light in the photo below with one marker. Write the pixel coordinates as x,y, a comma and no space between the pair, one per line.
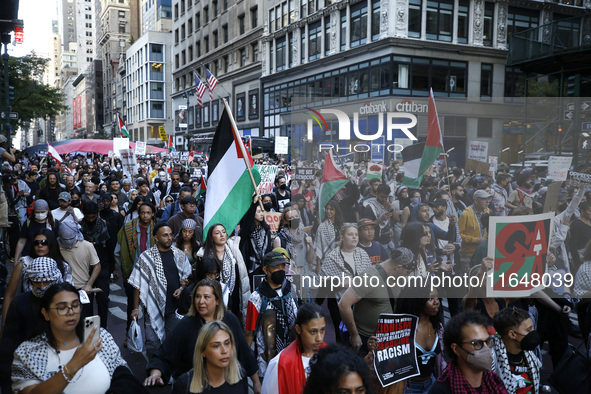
11,93
573,85
560,130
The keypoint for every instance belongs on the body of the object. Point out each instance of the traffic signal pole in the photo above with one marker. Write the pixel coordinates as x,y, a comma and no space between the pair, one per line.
5,57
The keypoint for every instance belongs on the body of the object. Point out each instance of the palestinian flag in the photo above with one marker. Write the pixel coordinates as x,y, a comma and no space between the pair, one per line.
170,145
122,128
249,146
202,186
229,188
333,180
419,157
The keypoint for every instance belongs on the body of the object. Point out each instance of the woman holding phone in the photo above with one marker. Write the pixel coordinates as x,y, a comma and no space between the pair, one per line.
60,361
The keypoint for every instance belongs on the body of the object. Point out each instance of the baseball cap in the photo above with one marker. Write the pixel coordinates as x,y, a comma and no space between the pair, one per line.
438,202
481,194
65,196
365,222
273,259
282,251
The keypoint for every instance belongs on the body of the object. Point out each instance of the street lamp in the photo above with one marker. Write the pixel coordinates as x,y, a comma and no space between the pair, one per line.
186,94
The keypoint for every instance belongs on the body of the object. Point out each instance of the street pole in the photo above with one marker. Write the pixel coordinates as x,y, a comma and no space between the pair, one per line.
5,58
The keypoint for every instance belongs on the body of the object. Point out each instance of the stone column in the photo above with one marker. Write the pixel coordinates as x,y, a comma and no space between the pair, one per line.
478,23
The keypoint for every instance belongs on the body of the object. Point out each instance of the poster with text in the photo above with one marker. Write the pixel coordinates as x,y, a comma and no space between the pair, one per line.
478,151
395,357
558,167
273,219
304,174
267,178
519,245
140,148
128,162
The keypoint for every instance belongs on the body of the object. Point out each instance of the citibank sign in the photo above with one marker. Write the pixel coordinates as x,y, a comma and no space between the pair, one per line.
410,106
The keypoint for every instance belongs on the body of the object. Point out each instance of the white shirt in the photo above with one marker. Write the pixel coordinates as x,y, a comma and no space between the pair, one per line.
58,215
92,378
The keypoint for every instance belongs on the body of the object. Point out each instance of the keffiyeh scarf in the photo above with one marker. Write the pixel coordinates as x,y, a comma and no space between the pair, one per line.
504,370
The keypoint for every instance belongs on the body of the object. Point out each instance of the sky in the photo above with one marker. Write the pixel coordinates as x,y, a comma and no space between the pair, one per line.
37,16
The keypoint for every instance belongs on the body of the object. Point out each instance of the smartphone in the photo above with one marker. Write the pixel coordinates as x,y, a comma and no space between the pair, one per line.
89,323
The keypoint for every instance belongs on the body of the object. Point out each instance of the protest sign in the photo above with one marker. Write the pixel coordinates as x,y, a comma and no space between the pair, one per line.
494,162
281,145
273,219
175,155
558,167
196,173
519,245
551,200
374,171
128,162
395,357
140,148
478,151
304,174
480,167
580,179
183,156
267,178
119,144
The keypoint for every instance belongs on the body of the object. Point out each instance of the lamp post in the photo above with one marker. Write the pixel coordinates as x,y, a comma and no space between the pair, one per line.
186,94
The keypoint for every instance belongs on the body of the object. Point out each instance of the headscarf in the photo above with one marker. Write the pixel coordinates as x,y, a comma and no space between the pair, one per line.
43,269
69,235
40,205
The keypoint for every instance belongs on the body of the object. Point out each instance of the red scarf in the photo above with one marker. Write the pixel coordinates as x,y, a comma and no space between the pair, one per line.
291,376
491,382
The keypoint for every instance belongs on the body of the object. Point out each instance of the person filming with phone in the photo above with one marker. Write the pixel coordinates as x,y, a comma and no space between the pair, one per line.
60,360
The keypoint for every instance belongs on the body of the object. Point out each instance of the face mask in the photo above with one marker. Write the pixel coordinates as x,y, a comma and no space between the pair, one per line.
75,203
415,200
40,292
268,206
282,187
530,341
278,276
41,216
481,360
295,223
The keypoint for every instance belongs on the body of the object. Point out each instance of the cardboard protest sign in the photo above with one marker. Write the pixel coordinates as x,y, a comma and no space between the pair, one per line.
273,219
558,167
304,174
395,357
478,151
480,167
552,193
519,245
267,178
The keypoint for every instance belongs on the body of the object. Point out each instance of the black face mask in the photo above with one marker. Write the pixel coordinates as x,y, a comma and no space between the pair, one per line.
75,203
278,277
295,223
282,187
531,340
268,206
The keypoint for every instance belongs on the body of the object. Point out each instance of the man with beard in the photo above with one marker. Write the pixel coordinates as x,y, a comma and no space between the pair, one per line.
523,195
51,191
115,188
282,194
271,304
66,213
172,188
161,273
94,229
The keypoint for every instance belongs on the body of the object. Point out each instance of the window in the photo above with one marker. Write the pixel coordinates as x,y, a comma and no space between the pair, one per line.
272,20
88,16
484,128
183,58
326,35
254,48
454,126
225,5
89,25
176,11
519,20
290,52
189,26
88,34
254,20
176,61
414,18
206,43
176,36
375,20
225,63
205,15
486,76
157,110
182,7
242,57
183,32
214,7
439,20
280,54
358,24
314,40
343,29
241,25
191,53
197,21
121,14
225,33
215,39
303,46
487,31
463,20
198,49
514,83
122,28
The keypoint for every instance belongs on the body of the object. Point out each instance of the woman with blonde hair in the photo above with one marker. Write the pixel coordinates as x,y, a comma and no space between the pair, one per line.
215,366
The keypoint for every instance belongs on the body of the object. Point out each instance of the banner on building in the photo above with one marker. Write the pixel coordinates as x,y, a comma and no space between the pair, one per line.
395,357
267,178
478,151
558,167
519,245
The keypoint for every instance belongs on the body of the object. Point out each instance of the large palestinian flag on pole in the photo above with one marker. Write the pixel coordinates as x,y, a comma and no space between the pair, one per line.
419,157
122,129
333,180
229,188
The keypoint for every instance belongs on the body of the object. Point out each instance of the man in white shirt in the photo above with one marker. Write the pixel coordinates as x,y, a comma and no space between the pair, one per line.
66,213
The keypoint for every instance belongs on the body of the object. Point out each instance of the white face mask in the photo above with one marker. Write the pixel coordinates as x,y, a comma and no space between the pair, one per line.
41,216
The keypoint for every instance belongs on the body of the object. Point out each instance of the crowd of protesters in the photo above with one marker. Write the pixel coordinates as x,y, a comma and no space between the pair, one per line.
220,313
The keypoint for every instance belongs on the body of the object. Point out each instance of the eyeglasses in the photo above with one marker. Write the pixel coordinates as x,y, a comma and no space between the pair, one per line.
63,310
479,343
40,242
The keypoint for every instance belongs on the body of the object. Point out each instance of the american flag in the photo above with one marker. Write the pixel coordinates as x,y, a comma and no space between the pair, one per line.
199,89
212,82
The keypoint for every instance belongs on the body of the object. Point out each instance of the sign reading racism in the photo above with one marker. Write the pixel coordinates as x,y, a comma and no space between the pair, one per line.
519,245
395,357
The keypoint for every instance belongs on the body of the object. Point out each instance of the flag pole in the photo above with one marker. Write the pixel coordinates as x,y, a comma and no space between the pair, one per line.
243,151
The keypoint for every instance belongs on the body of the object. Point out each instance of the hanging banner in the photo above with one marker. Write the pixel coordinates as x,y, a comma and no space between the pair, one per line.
519,245
395,357
267,178
478,151
140,148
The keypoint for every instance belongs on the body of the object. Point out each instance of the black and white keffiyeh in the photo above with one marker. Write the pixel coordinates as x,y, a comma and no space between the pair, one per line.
502,367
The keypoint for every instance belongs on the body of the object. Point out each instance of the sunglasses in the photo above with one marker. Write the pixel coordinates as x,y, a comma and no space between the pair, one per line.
39,242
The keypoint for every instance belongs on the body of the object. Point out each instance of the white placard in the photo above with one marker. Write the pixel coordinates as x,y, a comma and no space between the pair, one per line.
494,164
558,167
268,174
140,148
119,144
184,156
478,151
128,162
281,145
